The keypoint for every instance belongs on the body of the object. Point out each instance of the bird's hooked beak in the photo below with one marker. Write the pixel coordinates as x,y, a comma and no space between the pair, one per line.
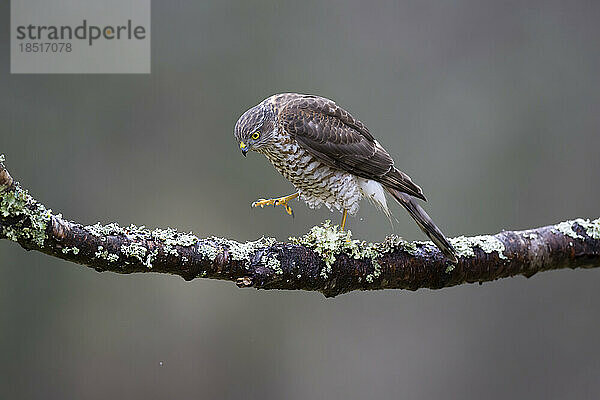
244,147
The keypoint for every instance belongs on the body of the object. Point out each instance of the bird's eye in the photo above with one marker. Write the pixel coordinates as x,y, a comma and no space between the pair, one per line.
255,135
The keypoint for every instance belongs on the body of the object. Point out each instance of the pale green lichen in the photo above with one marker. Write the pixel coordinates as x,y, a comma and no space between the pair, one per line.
106,255
100,230
393,243
376,272
328,241
566,228
271,262
18,203
410,247
208,251
135,250
186,240
141,253
68,250
113,229
10,234
13,203
464,245
171,238
150,259
592,228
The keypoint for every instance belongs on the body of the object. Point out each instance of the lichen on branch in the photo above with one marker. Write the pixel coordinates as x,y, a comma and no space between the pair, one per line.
325,259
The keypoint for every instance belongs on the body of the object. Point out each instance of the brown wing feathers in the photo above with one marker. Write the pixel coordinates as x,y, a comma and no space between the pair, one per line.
332,135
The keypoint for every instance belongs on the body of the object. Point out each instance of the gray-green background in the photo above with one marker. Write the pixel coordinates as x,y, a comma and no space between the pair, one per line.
491,106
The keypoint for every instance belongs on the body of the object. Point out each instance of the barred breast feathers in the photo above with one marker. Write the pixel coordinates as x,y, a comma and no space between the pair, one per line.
317,183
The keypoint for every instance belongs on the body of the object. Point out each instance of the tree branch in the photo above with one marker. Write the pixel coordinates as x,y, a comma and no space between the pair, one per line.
324,260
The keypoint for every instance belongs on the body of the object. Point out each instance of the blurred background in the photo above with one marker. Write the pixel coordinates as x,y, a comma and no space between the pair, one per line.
492,107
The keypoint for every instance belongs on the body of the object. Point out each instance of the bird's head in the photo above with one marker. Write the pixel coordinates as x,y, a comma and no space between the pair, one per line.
255,128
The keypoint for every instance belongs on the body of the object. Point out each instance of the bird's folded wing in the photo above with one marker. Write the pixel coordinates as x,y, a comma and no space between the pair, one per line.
335,137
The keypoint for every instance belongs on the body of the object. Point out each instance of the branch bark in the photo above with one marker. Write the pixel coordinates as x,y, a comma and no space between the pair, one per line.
324,260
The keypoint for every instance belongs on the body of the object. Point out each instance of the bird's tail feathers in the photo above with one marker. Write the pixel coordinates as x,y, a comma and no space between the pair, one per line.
425,223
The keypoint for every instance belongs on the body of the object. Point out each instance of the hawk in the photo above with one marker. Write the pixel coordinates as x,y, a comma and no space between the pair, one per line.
331,158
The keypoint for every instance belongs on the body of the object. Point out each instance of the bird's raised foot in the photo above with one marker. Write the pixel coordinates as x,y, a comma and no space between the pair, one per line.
280,201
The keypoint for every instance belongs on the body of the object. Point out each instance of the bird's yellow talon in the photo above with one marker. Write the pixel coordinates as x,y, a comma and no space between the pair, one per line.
262,202
281,201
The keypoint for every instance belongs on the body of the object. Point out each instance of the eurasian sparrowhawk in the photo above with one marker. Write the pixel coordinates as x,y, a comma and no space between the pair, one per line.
331,158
